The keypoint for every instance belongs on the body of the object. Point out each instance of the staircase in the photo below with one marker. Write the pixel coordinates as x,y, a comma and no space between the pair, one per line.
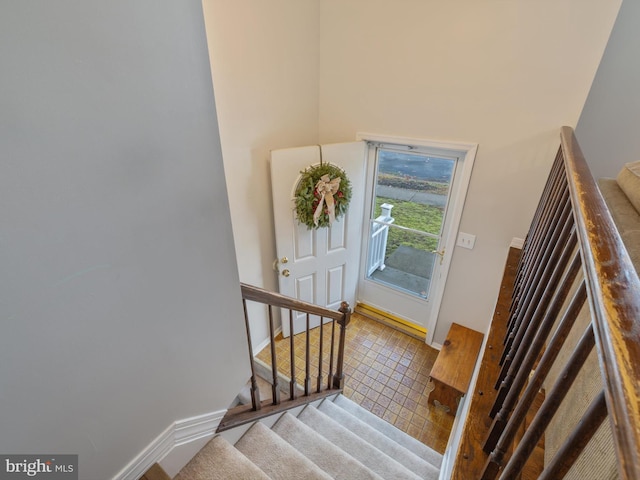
334,438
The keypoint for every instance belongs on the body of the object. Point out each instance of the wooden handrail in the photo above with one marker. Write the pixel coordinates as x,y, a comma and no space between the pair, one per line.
609,288
257,294
614,296
335,379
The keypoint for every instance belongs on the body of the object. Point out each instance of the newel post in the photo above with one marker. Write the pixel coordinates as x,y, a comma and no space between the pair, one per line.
338,378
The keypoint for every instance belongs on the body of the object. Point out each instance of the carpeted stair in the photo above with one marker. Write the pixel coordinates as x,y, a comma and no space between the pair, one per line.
337,439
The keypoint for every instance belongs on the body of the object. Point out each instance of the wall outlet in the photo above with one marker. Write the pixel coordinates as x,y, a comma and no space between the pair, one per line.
466,240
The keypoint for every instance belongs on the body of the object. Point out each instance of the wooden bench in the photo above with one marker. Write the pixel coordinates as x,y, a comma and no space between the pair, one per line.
452,370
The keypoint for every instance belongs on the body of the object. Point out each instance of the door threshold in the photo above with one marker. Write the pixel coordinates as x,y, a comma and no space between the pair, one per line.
392,321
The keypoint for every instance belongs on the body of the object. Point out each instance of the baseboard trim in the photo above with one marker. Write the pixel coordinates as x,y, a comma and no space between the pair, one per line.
266,341
156,450
164,448
195,428
390,320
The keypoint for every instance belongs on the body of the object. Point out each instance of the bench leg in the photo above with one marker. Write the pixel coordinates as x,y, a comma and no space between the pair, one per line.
445,397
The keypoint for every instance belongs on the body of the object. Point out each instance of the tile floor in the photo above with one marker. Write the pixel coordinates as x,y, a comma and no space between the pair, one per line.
386,372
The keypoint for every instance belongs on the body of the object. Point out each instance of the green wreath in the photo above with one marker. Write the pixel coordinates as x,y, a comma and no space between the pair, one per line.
308,197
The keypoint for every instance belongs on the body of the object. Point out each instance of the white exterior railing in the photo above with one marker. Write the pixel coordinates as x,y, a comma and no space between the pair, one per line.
378,241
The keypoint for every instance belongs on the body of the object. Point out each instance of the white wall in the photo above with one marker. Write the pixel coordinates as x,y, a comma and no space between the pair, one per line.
119,299
504,74
264,62
608,127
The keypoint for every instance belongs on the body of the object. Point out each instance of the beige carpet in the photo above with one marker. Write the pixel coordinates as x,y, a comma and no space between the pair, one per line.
379,440
338,440
395,434
321,451
280,461
219,460
358,448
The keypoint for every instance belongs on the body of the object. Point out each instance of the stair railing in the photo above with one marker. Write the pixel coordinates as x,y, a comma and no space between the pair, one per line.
573,257
326,383
379,238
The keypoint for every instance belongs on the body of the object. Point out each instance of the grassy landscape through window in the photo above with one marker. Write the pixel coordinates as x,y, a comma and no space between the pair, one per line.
412,215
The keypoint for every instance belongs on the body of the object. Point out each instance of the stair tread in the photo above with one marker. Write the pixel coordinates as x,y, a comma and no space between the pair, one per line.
394,433
219,460
360,449
376,438
322,452
280,461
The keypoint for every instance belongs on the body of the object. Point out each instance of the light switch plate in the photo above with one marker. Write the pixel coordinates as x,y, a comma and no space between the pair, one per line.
466,240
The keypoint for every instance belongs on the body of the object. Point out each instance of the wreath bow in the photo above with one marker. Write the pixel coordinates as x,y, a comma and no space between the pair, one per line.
326,188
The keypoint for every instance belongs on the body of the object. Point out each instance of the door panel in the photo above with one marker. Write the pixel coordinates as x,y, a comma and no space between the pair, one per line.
337,236
335,286
304,241
322,264
305,287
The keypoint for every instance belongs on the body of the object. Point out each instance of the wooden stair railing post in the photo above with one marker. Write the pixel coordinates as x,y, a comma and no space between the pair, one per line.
307,357
532,250
545,246
535,304
319,379
331,352
505,428
293,387
255,391
557,165
338,378
526,248
543,320
516,380
577,441
549,407
275,387
540,286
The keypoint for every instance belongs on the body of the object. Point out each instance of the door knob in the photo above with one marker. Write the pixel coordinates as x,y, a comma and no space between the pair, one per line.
277,262
440,253
286,272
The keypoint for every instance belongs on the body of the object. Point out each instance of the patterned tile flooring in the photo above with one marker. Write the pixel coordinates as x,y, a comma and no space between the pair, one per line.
386,372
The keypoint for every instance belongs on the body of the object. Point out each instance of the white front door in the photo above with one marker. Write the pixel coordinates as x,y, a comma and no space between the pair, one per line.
320,266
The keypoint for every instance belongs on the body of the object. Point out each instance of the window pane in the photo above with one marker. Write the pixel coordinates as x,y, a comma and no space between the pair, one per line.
416,185
407,262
